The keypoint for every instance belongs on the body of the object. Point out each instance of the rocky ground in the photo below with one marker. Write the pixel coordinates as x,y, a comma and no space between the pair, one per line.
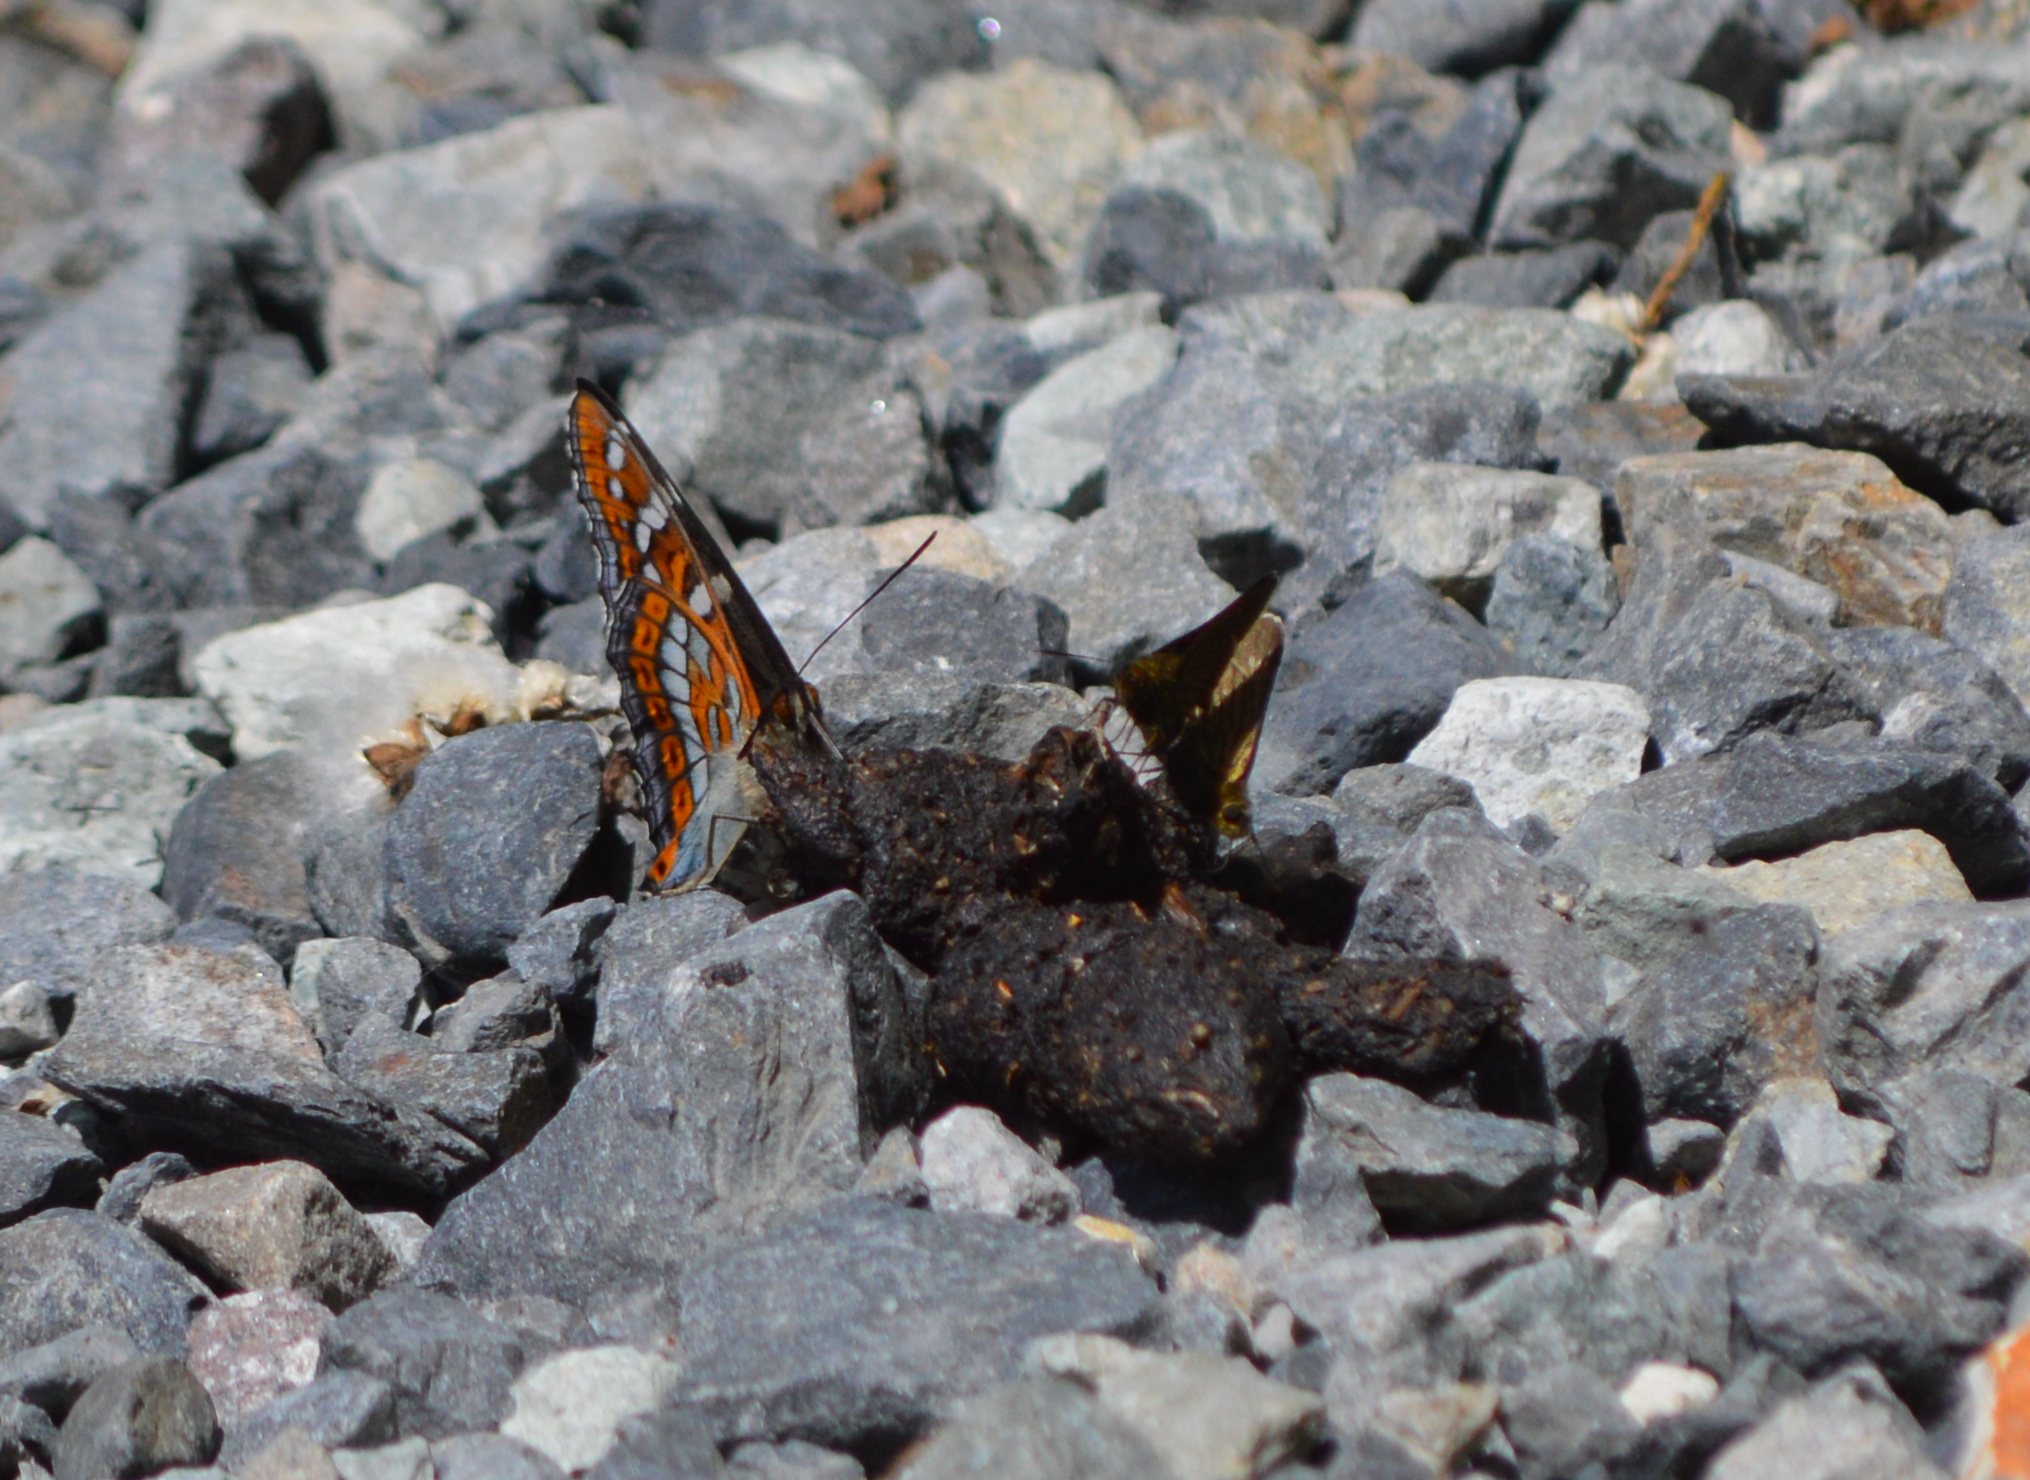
1633,400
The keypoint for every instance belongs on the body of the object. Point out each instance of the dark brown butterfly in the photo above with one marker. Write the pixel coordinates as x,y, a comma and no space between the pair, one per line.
700,668
1194,708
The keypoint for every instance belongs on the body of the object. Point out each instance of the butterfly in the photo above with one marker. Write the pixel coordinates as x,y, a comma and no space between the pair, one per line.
700,668
1193,708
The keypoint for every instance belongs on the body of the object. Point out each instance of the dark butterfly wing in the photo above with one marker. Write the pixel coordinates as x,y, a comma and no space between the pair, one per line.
699,665
1210,756
1168,689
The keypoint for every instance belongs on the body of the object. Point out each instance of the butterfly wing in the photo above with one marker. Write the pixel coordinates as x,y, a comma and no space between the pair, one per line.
699,665
1196,704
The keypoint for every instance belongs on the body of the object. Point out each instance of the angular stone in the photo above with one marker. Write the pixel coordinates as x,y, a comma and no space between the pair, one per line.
791,1335
339,1409
1037,1428
67,1269
335,983
570,1406
236,853
249,1350
1551,603
200,1049
52,607
638,957
1467,37
1452,525
42,1164
52,1375
137,1420
974,1164
450,1368
1849,1423
1052,452
1840,519
280,1226
465,876
1849,883
496,1099
792,1041
1538,746
1936,695
1428,1169
1555,357
1984,605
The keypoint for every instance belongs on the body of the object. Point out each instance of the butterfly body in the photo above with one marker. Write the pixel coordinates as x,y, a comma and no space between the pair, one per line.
1192,709
700,668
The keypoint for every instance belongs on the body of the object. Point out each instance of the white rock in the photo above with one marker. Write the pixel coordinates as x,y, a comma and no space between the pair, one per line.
1542,745
93,789
405,1459
974,1164
1666,1390
27,1023
1992,193
1053,447
412,497
816,80
1073,328
403,1235
1820,1142
1451,523
1020,534
1734,338
463,219
334,679
45,602
569,1406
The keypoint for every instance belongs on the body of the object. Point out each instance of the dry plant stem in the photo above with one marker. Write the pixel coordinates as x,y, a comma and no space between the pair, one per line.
1702,222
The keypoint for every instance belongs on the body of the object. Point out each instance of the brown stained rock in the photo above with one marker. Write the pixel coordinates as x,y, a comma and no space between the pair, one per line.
1083,976
279,1226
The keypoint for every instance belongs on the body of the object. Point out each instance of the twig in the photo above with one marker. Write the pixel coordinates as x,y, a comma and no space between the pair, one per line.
1702,222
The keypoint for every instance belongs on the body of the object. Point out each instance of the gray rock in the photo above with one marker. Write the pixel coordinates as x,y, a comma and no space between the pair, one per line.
673,1440
1938,696
466,877
934,623
130,349
892,50
1551,601
1162,240
273,527
923,711
501,1012
340,1410
1608,149
141,657
336,983
638,956
791,1335
53,608
1556,358
137,1420
249,392
1425,1168
1983,607
55,921
1711,1027
88,788
1538,747
1956,1131
787,426
559,954
121,1200
1549,277
1362,684
497,1100
42,1164
236,854
490,1457
1099,572
200,1050
1564,1419
1849,1424
67,1269
1924,987
1744,50
1940,403
1460,36
972,1163
1772,795
793,1042
52,1375
1397,249
1453,524
1250,192
569,1406
448,1366
1052,452
1036,1428
1439,163
1460,890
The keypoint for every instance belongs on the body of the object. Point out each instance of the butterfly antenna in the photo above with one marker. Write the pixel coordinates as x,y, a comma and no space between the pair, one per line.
1071,657
885,584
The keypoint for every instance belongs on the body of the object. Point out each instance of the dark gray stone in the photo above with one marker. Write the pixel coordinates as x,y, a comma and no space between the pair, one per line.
559,954
235,853
42,1165
1711,1027
272,527
1565,1419
1459,890
338,1409
345,862
865,1321
1551,602
939,622
1589,440
142,656
449,1367
1972,279
670,1443
637,956
1926,987
336,983
1552,277
121,1200
490,1457
55,921
755,1086
1744,50
1713,275
1955,1130
467,876
137,1420
248,393
926,711
65,1269
198,1050
1363,684
893,47
1772,796
1427,1168
1442,164
1398,249
497,1100
1945,406
498,1013
1608,149
1155,240
1937,696
52,1375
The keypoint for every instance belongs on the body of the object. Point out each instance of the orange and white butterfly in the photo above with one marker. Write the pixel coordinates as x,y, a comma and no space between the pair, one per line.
700,668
